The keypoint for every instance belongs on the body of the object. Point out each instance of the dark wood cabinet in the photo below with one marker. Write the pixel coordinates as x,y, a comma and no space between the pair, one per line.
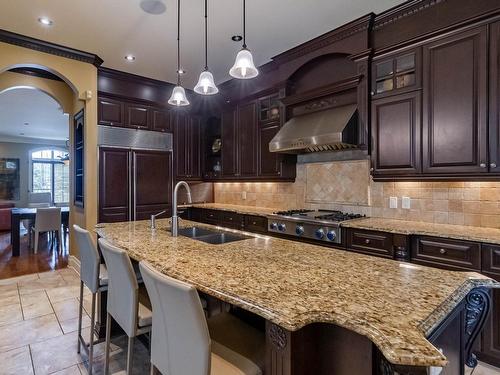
160,120
187,147
446,253
137,116
229,144
133,184
454,137
110,112
490,338
494,80
153,183
114,185
269,162
370,242
396,127
247,140
78,158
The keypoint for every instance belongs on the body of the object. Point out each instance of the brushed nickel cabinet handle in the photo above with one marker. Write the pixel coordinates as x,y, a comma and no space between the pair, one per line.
442,251
367,241
482,165
493,165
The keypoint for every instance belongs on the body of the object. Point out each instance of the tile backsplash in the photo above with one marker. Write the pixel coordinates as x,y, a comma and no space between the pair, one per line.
346,185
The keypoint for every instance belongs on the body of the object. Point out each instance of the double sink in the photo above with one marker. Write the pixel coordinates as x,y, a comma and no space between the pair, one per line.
210,236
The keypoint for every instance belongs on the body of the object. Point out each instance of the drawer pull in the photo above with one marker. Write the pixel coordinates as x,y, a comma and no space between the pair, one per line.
230,219
367,241
254,223
442,251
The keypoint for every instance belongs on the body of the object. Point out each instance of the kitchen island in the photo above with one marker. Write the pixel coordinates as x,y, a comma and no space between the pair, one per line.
326,310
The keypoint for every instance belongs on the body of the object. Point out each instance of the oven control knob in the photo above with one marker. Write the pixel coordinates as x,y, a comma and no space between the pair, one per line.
281,227
273,226
299,230
331,235
320,233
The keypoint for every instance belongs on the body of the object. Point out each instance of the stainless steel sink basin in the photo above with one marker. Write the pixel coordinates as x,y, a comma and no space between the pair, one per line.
194,232
211,236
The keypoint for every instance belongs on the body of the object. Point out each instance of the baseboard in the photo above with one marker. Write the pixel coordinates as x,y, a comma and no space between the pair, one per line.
74,262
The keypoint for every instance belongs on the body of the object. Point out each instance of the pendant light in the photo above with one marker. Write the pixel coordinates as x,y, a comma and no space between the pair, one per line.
178,97
206,84
244,67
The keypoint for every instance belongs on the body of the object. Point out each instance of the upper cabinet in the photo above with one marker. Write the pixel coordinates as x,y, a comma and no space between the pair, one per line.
187,147
455,92
397,73
494,80
131,114
247,139
429,113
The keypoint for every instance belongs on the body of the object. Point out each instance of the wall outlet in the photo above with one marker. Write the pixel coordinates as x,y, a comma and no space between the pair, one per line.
244,195
393,202
406,203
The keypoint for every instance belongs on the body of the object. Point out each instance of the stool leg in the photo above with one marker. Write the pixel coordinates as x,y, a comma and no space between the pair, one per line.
152,370
80,308
130,355
108,338
91,343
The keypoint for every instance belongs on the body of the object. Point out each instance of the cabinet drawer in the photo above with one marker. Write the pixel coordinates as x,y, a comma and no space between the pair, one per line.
491,259
370,242
210,216
231,220
255,223
452,254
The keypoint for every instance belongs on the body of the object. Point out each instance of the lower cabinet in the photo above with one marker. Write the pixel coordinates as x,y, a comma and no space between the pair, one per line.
490,339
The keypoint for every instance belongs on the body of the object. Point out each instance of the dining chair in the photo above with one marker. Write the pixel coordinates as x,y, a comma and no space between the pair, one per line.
180,338
28,223
48,220
123,306
94,275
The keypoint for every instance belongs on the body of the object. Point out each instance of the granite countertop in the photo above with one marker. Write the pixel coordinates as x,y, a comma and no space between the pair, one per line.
248,210
460,232
293,284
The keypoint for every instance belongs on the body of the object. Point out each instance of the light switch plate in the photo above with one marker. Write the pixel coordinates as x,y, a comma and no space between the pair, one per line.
393,202
406,203
244,195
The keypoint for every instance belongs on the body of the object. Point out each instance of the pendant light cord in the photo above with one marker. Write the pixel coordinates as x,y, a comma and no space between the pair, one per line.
244,24
178,42
206,37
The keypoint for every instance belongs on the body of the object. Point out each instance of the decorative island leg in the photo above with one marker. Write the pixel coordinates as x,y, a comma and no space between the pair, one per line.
477,307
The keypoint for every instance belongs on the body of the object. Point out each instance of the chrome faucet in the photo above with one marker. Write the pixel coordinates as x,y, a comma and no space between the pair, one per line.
153,218
175,219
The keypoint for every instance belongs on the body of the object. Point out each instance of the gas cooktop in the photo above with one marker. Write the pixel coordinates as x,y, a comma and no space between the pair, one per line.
321,225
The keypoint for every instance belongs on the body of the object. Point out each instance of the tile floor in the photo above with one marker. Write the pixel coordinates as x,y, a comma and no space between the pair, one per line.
38,324
38,328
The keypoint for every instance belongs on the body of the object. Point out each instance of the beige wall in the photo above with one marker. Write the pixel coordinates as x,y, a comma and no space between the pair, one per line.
347,186
82,79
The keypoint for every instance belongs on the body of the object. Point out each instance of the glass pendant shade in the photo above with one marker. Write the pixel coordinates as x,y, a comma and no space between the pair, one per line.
244,67
206,84
178,97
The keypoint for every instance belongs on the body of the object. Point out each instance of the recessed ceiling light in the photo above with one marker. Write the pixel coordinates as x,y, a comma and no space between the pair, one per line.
130,57
153,6
26,123
236,38
45,21
21,133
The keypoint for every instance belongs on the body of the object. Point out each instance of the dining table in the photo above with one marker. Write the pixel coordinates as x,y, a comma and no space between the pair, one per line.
23,213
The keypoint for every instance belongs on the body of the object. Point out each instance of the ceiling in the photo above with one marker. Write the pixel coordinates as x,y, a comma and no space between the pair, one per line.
42,113
115,28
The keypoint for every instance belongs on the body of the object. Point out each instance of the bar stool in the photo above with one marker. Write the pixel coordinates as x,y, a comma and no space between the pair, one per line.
124,306
94,275
181,341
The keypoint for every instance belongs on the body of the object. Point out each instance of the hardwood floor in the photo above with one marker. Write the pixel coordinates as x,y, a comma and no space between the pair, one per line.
46,259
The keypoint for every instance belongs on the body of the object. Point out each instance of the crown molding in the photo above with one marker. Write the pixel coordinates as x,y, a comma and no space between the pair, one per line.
406,9
47,47
343,32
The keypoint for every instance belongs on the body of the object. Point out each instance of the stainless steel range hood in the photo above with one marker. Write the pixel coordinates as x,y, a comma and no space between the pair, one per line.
327,130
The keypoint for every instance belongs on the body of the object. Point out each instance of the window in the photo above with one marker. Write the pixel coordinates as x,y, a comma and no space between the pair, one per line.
50,174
